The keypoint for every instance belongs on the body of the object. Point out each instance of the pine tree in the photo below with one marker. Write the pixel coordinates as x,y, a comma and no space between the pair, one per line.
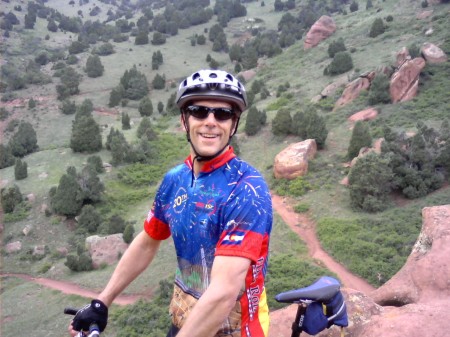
281,124
379,90
20,170
10,198
86,135
370,183
6,158
145,106
377,28
24,141
360,138
68,197
89,219
68,107
125,121
94,67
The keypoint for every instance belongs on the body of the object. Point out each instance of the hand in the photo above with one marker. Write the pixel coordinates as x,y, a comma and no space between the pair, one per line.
96,312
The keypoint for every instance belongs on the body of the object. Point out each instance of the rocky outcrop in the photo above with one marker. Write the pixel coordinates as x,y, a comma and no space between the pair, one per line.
292,162
413,303
105,250
354,88
364,115
319,31
426,275
405,81
432,53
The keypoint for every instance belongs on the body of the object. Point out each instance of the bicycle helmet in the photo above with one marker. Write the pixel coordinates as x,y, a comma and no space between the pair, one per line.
205,84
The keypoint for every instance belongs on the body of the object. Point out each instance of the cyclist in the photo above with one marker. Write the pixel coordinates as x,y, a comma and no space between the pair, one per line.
218,210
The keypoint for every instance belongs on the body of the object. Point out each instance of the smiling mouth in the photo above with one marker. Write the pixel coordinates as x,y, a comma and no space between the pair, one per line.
209,135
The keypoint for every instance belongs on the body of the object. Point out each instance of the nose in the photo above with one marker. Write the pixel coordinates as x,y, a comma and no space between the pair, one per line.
210,119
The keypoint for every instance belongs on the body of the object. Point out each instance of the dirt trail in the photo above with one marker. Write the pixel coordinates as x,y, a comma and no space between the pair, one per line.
70,288
299,223
305,228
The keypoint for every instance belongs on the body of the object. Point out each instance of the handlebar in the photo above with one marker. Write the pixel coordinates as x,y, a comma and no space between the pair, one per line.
94,330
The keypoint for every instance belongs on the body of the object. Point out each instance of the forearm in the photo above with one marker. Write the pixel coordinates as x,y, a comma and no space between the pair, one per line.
134,261
216,303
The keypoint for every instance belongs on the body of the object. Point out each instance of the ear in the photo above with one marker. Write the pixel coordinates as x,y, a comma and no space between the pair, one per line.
183,121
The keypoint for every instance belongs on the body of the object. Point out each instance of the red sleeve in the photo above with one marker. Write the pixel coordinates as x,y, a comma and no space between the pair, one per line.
156,229
240,243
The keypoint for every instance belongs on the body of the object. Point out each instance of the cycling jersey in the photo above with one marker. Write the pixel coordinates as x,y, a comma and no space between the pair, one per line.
226,210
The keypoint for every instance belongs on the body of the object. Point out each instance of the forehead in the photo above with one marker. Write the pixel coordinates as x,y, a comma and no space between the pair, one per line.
216,103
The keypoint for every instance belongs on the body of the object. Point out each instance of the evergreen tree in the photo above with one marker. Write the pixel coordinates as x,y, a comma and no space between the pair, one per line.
379,90
68,107
342,62
145,129
116,224
24,141
158,38
369,183
249,58
20,170
86,134
94,67
116,96
68,196
10,198
281,124
160,107
159,82
85,109
31,103
255,120
6,158
335,47
309,125
377,28
360,138
89,219
128,233
90,184
141,38
145,106
96,163
125,121
354,6
70,80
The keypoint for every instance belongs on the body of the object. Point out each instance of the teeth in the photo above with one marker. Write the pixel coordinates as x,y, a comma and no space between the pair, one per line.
207,135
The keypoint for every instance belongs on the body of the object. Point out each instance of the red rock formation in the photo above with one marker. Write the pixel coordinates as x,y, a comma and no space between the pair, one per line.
319,31
402,56
352,91
364,115
405,81
292,162
432,53
105,250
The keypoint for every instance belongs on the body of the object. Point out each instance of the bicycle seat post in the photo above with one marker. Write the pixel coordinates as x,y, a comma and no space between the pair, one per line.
297,326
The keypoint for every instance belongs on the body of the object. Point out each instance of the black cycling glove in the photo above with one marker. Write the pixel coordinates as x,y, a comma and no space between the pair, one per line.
96,312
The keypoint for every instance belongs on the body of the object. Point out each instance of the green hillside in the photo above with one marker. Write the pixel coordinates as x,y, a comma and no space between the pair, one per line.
373,245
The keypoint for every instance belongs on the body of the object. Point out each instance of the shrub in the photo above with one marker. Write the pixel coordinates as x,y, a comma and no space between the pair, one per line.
24,141
335,47
145,106
96,163
128,233
342,62
360,138
20,170
89,219
10,198
282,123
377,28
94,67
379,90
68,107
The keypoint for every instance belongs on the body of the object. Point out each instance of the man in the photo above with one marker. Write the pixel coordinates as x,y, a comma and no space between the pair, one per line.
218,210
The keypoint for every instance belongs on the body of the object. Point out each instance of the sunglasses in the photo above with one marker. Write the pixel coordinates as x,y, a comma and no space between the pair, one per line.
202,112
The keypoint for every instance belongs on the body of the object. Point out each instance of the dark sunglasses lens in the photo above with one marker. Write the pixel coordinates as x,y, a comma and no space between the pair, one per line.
223,114
201,112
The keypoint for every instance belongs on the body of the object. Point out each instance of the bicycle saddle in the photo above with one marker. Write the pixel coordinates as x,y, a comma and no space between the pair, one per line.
322,290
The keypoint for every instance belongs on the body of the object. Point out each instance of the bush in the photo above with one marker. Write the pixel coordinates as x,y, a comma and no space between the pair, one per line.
379,90
96,163
24,141
128,233
89,219
20,170
281,124
81,262
377,28
335,47
342,62
68,107
360,138
10,198
145,106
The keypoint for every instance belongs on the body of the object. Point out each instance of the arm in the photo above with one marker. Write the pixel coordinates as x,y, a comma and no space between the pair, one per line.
134,261
227,278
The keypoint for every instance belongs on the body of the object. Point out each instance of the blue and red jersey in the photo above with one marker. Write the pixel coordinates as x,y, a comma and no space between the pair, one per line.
226,210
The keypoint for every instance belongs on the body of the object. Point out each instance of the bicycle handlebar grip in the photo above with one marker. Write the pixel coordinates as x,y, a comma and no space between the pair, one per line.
70,311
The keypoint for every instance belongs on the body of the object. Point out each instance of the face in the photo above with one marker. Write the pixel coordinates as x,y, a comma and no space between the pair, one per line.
209,135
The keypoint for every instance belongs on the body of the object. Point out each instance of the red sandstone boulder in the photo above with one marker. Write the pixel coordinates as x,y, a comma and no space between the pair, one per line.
402,56
105,250
405,82
353,89
432,53
319,31
364,115
292,162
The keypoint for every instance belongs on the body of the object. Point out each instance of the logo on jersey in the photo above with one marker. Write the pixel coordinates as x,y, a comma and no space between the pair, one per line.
234,238
179,202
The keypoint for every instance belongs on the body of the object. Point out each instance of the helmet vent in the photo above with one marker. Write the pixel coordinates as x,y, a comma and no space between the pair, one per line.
195,76
213,75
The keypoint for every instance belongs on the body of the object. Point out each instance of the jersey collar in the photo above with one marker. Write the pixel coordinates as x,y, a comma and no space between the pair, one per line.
215,163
